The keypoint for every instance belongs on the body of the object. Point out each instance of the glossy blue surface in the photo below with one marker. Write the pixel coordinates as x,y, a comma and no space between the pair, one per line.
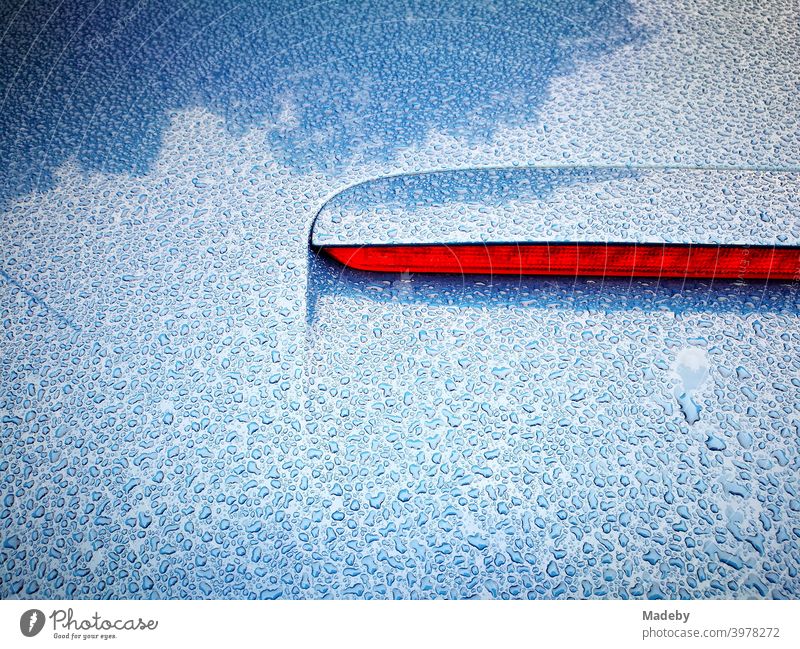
194,405
686,206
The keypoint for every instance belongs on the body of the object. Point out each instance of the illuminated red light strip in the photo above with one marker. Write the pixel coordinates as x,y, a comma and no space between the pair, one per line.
578,259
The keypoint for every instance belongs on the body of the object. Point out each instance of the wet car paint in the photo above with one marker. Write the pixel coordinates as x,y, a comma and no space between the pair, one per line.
519,205
195,405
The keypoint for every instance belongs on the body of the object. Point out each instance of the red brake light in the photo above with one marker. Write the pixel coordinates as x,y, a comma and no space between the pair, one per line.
579,259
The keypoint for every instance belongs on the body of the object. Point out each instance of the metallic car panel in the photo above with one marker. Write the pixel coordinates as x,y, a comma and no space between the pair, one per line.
193,404
699,206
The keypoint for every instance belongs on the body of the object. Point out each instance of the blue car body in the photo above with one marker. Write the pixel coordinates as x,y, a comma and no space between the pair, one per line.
195,404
